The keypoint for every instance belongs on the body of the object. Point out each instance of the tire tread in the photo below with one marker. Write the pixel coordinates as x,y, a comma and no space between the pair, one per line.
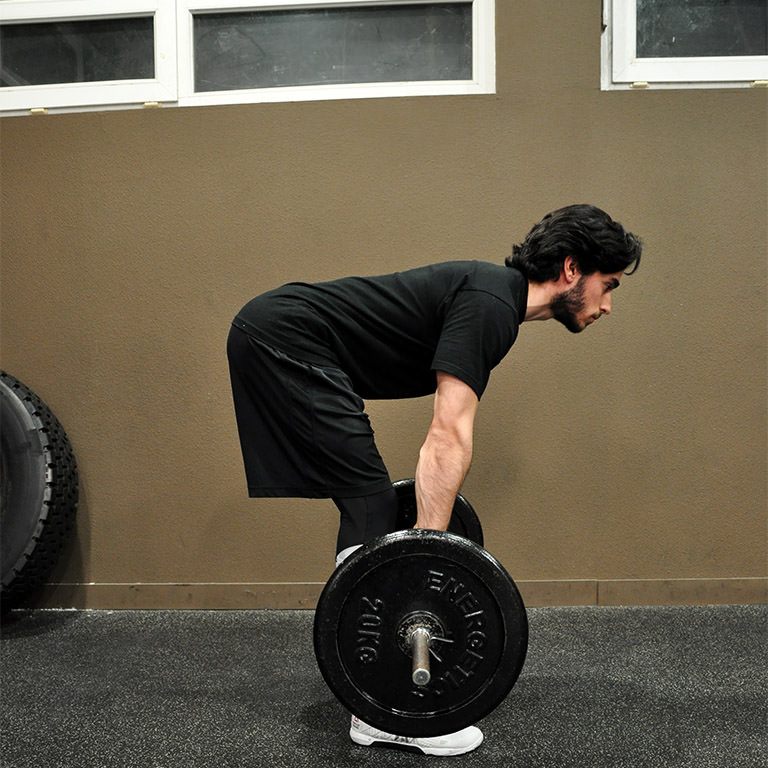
59,508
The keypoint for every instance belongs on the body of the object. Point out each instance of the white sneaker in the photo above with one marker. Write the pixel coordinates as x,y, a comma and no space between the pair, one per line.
345,553
457,743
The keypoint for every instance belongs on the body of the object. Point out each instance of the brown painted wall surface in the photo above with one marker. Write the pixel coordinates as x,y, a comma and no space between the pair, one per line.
632,453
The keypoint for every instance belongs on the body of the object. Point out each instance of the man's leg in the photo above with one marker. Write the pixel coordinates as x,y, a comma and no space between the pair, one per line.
363,518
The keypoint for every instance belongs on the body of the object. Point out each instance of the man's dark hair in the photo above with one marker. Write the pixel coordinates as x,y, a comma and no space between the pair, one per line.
589,235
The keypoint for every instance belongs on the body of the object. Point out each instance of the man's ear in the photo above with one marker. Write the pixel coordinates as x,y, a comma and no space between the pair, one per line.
571,271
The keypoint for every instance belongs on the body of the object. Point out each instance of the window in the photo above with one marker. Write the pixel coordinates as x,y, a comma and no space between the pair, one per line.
685,43
78,51
333,50
60,55
86,52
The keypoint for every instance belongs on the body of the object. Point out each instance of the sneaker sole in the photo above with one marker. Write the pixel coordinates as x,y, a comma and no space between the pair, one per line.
368,741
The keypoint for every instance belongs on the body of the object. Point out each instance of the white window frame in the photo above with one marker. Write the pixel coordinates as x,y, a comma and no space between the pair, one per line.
622,69
483,57
174,63
108,92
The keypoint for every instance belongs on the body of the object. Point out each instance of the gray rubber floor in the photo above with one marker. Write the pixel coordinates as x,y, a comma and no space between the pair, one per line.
601,687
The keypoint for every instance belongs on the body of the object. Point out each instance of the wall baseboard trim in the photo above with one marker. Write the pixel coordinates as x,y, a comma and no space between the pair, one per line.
304,595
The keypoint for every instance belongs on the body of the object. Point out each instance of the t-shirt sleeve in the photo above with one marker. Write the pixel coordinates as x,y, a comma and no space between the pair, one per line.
478,331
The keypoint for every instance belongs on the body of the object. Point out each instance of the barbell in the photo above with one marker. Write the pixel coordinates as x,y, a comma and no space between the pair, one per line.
420,633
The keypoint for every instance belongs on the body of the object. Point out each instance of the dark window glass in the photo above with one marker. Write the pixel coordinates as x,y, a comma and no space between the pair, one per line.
44,53
265,49
702,28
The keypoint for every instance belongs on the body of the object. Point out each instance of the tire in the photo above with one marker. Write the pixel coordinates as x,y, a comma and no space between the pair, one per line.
38,489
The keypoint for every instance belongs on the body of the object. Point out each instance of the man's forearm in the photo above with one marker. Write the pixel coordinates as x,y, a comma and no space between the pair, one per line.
443,465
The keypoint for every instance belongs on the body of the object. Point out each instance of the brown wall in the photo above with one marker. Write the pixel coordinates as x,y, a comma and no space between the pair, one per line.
627,464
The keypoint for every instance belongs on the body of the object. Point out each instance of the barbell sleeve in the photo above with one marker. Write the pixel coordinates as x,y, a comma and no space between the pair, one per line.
420,638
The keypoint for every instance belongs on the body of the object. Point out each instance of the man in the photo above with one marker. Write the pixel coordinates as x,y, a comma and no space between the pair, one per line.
304,357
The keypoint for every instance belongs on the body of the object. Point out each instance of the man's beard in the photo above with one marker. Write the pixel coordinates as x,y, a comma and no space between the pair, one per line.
567,305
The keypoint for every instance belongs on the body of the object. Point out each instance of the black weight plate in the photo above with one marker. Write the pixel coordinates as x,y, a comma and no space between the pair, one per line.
464,520
367,598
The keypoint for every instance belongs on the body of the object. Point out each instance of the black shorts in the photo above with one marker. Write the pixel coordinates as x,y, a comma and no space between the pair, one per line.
303,430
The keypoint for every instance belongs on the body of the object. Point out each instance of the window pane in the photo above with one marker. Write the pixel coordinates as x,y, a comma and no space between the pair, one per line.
264,49
702,28
77,51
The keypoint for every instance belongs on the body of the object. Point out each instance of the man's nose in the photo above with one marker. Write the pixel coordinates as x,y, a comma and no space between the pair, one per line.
606,305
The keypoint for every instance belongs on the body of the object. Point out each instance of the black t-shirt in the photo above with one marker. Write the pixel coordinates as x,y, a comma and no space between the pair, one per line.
390,333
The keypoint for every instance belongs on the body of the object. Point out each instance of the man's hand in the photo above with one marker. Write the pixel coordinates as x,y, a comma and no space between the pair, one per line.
445,457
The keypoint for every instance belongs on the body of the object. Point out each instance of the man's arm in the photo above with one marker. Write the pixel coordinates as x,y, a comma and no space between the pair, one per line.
446,454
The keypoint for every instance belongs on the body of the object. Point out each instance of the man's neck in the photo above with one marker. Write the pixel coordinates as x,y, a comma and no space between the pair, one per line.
540,295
